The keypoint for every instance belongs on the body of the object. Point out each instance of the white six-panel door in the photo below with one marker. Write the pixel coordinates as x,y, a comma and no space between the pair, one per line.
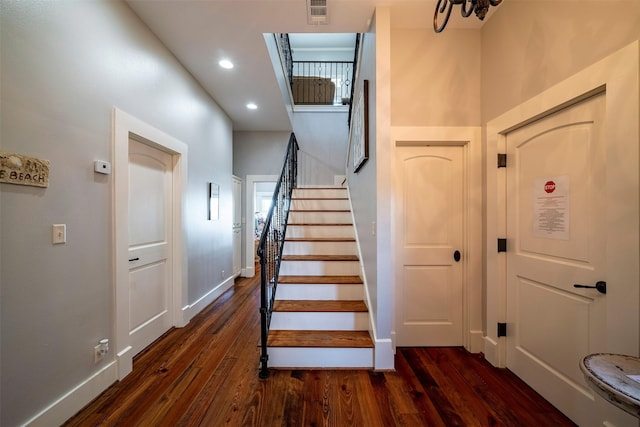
429,230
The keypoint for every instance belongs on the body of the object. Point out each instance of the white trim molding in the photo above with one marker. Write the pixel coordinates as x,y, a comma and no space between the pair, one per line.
75,399
248,270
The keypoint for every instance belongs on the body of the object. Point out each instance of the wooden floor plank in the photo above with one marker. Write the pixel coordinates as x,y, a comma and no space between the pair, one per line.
206,374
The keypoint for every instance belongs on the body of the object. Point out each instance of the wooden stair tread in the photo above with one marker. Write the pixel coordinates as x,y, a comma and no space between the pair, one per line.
319,239
301,224
320,280
319,306
319,258
330,339
319,198
320,210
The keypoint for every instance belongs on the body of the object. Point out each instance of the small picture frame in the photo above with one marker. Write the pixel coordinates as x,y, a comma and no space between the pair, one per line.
214,202
360,127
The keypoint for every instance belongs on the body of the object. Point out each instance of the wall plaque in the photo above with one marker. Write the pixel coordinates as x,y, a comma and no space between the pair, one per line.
23,170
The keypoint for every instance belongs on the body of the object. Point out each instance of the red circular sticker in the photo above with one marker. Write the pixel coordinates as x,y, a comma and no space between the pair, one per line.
549,186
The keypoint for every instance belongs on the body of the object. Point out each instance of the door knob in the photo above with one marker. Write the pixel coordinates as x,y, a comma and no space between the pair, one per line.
456,256
600,286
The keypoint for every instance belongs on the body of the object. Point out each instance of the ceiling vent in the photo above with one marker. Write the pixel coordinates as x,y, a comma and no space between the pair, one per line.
317,12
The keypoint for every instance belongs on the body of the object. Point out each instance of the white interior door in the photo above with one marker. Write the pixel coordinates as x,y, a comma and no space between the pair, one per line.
557,236
150,243
429,231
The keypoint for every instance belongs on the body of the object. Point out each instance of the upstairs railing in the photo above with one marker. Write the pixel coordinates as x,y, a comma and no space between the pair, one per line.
317,82
271,243
321,82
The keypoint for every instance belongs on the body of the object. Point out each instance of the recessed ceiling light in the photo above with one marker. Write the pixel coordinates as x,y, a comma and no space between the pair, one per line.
225,63
252,106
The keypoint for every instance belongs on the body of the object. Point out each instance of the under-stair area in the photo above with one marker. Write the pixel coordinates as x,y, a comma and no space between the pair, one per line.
320,319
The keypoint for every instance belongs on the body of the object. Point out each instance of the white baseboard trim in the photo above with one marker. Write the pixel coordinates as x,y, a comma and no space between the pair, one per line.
248,272
491,352
192,309
75,399
125,362
384,355
476,342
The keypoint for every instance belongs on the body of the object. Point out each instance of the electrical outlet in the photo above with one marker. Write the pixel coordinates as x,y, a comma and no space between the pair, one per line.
98,354
100,350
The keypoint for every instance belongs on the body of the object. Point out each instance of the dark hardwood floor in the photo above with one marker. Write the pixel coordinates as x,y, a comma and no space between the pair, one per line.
206,374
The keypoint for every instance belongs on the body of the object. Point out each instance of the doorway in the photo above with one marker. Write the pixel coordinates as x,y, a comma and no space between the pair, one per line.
257,188
436,211
567,203
159,161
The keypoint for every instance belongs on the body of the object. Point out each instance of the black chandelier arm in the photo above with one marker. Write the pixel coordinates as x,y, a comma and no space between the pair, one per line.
441,10
466,13
480,7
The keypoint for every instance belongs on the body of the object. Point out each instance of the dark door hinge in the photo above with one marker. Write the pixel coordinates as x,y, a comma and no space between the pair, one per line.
502,245
502,160
502,330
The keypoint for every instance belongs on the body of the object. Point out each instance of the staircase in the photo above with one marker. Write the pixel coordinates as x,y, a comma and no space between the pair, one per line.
319,317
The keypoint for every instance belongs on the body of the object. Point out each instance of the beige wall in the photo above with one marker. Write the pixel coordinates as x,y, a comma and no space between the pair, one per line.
435,78
528,46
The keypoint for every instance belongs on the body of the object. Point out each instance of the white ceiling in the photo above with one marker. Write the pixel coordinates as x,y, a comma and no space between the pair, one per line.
200,33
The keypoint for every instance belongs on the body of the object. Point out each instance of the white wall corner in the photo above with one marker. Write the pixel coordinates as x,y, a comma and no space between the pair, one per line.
76,399
125,362
476,342
384,355
492,352
248,272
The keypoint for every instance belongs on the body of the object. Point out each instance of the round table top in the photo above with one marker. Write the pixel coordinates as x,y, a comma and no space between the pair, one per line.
616,378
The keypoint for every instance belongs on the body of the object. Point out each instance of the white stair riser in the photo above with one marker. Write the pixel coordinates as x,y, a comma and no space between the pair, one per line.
318,205
311,357
320,248
320,231
322,292
320,193
322,217
319,321
320,268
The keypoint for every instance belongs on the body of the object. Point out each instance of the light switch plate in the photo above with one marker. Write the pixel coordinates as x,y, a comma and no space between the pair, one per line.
59,233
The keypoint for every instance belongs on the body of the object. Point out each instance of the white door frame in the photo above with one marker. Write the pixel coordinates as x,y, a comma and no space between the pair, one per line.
618,75
470,139
126,126
249,268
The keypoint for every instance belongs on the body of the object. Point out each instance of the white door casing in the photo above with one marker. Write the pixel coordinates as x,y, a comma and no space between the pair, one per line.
465,141
429,229
249,248
125,128
617,78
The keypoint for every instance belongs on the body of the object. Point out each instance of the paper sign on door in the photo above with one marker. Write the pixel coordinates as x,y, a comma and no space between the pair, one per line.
551,207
